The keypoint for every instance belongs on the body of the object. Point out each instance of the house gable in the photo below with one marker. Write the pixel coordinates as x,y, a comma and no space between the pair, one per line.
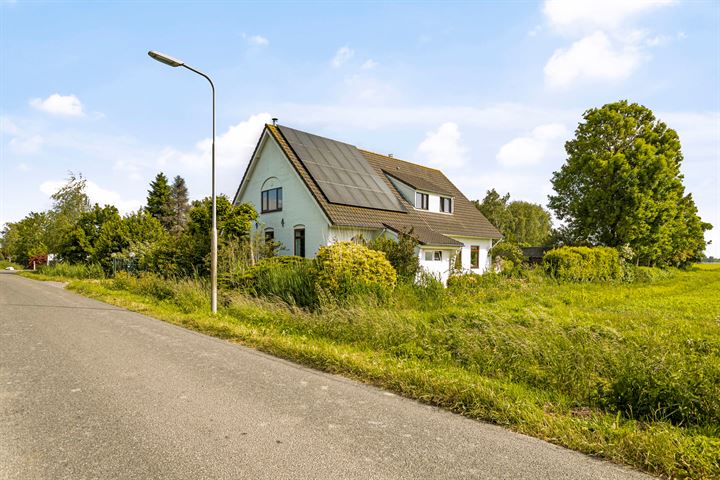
270,169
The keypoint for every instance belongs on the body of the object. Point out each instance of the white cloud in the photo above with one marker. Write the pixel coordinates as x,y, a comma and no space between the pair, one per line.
569,16
23,167
593,58
257,40
442,148
342,55
232,149
532,149
607,47
369,64
97,194
57,104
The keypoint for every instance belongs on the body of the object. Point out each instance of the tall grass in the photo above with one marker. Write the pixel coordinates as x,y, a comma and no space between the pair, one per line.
68,270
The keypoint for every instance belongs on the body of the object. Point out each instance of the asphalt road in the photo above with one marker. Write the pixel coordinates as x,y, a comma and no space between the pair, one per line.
88,390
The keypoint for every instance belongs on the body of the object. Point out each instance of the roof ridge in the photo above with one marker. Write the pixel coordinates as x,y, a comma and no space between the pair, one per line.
399,160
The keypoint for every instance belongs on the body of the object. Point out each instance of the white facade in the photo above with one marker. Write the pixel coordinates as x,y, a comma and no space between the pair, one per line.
440,261
270,169
484,244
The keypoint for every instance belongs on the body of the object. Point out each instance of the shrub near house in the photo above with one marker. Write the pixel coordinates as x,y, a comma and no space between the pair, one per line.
346,266
583,264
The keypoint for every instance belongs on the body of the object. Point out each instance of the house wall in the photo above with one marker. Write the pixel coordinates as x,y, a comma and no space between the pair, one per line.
406,191
439,269
272,169
484,243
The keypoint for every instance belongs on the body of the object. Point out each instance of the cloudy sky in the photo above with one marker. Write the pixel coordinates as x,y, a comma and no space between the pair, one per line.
486,91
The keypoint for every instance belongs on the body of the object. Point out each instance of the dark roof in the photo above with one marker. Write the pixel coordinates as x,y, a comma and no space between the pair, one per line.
415,182
343,174
466,219
425,236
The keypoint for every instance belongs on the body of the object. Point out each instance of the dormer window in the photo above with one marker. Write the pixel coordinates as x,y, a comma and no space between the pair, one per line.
446,204
421,200
271,200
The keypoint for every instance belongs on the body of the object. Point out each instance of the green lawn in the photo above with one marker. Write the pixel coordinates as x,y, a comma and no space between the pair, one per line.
629,372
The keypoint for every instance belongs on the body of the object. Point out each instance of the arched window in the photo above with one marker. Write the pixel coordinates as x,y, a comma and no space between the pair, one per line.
271,197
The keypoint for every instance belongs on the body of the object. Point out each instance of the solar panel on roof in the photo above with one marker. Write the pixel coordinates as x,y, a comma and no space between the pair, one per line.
341,171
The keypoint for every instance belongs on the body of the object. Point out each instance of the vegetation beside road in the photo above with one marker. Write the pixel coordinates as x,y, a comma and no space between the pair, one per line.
629,372
6,263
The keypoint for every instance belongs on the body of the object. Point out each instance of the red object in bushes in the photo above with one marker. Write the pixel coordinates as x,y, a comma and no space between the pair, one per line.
40,259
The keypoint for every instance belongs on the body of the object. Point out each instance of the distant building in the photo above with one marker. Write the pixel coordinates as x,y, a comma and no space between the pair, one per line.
312,191
534,255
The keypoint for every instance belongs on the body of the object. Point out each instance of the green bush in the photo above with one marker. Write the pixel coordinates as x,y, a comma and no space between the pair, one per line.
401,254
583,264
507,251
651,274
465,282
346,268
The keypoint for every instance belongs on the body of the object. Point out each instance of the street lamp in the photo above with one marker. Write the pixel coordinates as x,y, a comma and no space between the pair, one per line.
173,62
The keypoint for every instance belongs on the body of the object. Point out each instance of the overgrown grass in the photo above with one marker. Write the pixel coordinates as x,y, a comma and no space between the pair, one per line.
630,372
70,270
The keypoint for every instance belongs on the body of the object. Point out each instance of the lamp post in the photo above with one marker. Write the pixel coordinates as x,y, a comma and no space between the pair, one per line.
173,62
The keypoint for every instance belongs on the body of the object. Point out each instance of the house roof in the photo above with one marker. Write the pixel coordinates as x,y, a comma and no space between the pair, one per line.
418,183
466,220
341,171
425,236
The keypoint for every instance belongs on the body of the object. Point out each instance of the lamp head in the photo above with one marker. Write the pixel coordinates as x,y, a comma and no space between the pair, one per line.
167,60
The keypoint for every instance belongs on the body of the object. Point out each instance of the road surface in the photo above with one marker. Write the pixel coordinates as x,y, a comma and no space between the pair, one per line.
88,390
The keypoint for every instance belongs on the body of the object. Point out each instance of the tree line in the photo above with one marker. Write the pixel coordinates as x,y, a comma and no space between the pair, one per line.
169,234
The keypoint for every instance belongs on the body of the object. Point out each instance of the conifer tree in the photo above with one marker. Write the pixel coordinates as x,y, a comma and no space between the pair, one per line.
158,200
179,204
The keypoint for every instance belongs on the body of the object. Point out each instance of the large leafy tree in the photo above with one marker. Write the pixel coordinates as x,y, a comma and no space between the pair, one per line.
27,237
123,235
520,222
159,200
529,223
70,202
621,185
494,208
80,245
179,205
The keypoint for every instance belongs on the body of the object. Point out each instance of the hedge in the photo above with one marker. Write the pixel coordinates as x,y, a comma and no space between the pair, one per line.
583,264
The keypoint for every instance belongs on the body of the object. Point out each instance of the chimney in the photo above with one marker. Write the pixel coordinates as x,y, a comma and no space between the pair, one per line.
390,155
274,120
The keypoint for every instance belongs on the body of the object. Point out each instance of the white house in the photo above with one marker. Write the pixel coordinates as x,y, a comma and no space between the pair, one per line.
312,191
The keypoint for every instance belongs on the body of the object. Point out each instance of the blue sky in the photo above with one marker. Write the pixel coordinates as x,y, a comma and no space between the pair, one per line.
486,91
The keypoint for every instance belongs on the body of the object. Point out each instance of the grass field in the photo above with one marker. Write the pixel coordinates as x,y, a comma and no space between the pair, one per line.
629,372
